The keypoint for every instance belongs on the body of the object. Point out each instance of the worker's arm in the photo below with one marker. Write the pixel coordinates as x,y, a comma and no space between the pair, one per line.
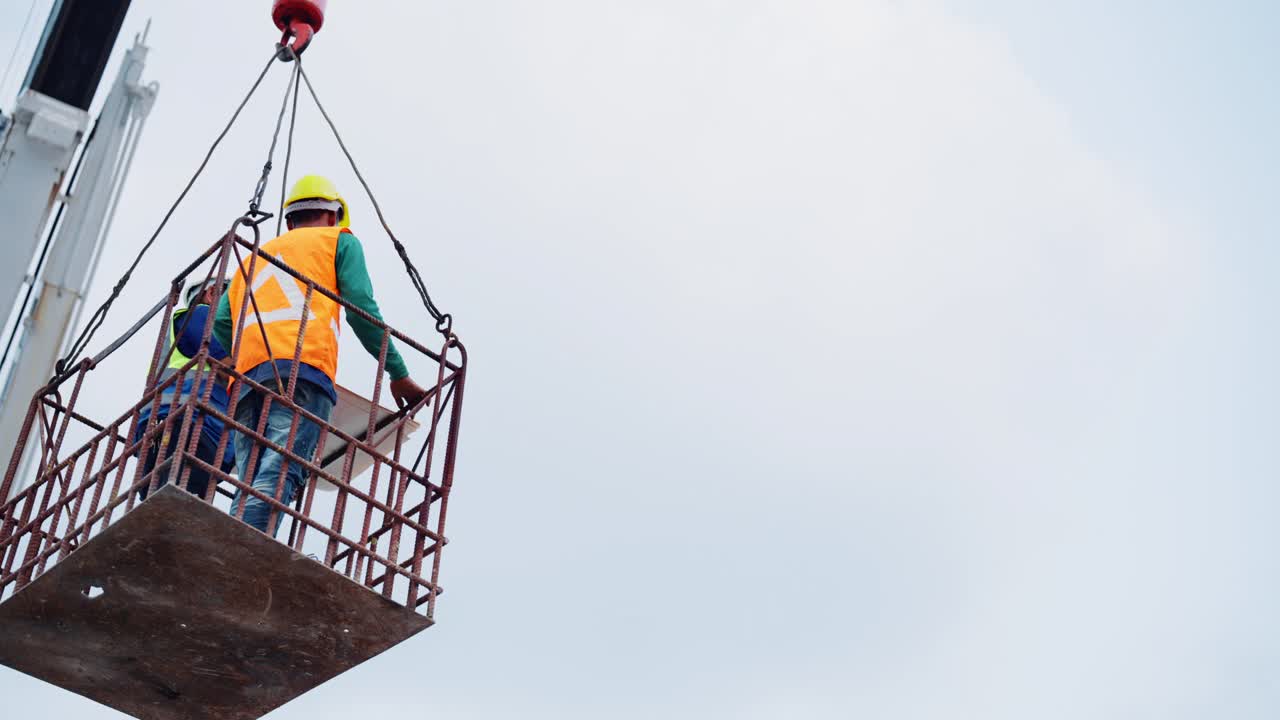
191,328
356,288
222,325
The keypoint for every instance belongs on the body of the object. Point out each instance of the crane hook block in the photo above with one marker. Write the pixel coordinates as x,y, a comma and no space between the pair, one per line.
299,20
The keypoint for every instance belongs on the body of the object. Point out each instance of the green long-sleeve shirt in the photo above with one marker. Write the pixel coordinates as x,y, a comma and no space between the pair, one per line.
356,288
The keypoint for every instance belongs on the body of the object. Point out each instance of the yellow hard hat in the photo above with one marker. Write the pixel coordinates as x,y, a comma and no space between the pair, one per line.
316,192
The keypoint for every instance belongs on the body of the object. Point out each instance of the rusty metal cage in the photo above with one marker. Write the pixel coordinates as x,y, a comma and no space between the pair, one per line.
383,528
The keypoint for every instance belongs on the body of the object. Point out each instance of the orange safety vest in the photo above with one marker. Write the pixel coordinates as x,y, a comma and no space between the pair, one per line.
313,253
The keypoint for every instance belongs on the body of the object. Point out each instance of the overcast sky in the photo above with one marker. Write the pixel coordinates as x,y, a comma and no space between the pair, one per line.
831,359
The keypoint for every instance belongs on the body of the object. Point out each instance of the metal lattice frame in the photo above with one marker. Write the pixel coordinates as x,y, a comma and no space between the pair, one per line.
385,525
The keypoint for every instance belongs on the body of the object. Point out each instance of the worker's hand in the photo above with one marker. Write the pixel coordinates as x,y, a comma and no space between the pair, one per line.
407,392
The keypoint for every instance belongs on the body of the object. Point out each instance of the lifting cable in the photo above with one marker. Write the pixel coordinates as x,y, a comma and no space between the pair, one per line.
443,321
288,155
259,190
256,201
95,322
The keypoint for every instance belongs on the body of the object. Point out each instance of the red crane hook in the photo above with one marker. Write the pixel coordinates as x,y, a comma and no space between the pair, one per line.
300,20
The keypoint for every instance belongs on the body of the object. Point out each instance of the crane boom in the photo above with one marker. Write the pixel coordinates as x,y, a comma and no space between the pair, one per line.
47,128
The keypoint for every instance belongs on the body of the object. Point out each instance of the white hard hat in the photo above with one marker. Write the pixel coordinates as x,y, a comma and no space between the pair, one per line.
195,287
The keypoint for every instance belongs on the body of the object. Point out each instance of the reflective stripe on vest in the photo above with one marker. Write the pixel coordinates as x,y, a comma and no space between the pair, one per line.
280,298
176,359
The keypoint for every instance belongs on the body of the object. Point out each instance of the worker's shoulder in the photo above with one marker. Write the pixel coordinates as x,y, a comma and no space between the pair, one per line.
309,238
348,243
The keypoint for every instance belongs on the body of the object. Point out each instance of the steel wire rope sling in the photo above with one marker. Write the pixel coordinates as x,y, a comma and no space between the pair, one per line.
95,321
253,218
443,321
302,34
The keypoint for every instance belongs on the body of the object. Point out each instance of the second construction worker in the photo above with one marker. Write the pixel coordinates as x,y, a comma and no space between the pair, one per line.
186,333
320,246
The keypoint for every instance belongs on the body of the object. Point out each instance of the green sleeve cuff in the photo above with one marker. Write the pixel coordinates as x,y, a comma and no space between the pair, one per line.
222,325
356,288
396,367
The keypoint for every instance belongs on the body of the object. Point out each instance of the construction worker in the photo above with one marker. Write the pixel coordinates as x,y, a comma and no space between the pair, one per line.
186,330
319,245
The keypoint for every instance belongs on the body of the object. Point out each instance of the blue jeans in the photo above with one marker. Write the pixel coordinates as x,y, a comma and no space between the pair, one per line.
267,474
198,482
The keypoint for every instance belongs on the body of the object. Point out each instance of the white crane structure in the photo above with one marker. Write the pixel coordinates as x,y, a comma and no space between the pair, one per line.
37,146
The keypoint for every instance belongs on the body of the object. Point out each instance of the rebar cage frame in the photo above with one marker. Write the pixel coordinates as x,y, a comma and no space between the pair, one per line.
79,493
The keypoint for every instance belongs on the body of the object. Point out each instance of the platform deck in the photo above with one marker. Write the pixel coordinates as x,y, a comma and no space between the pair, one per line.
180,611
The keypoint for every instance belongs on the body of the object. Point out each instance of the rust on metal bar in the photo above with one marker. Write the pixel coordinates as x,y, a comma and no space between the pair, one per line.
176,560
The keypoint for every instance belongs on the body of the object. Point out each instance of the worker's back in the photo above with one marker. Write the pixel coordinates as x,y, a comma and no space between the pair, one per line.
281,301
